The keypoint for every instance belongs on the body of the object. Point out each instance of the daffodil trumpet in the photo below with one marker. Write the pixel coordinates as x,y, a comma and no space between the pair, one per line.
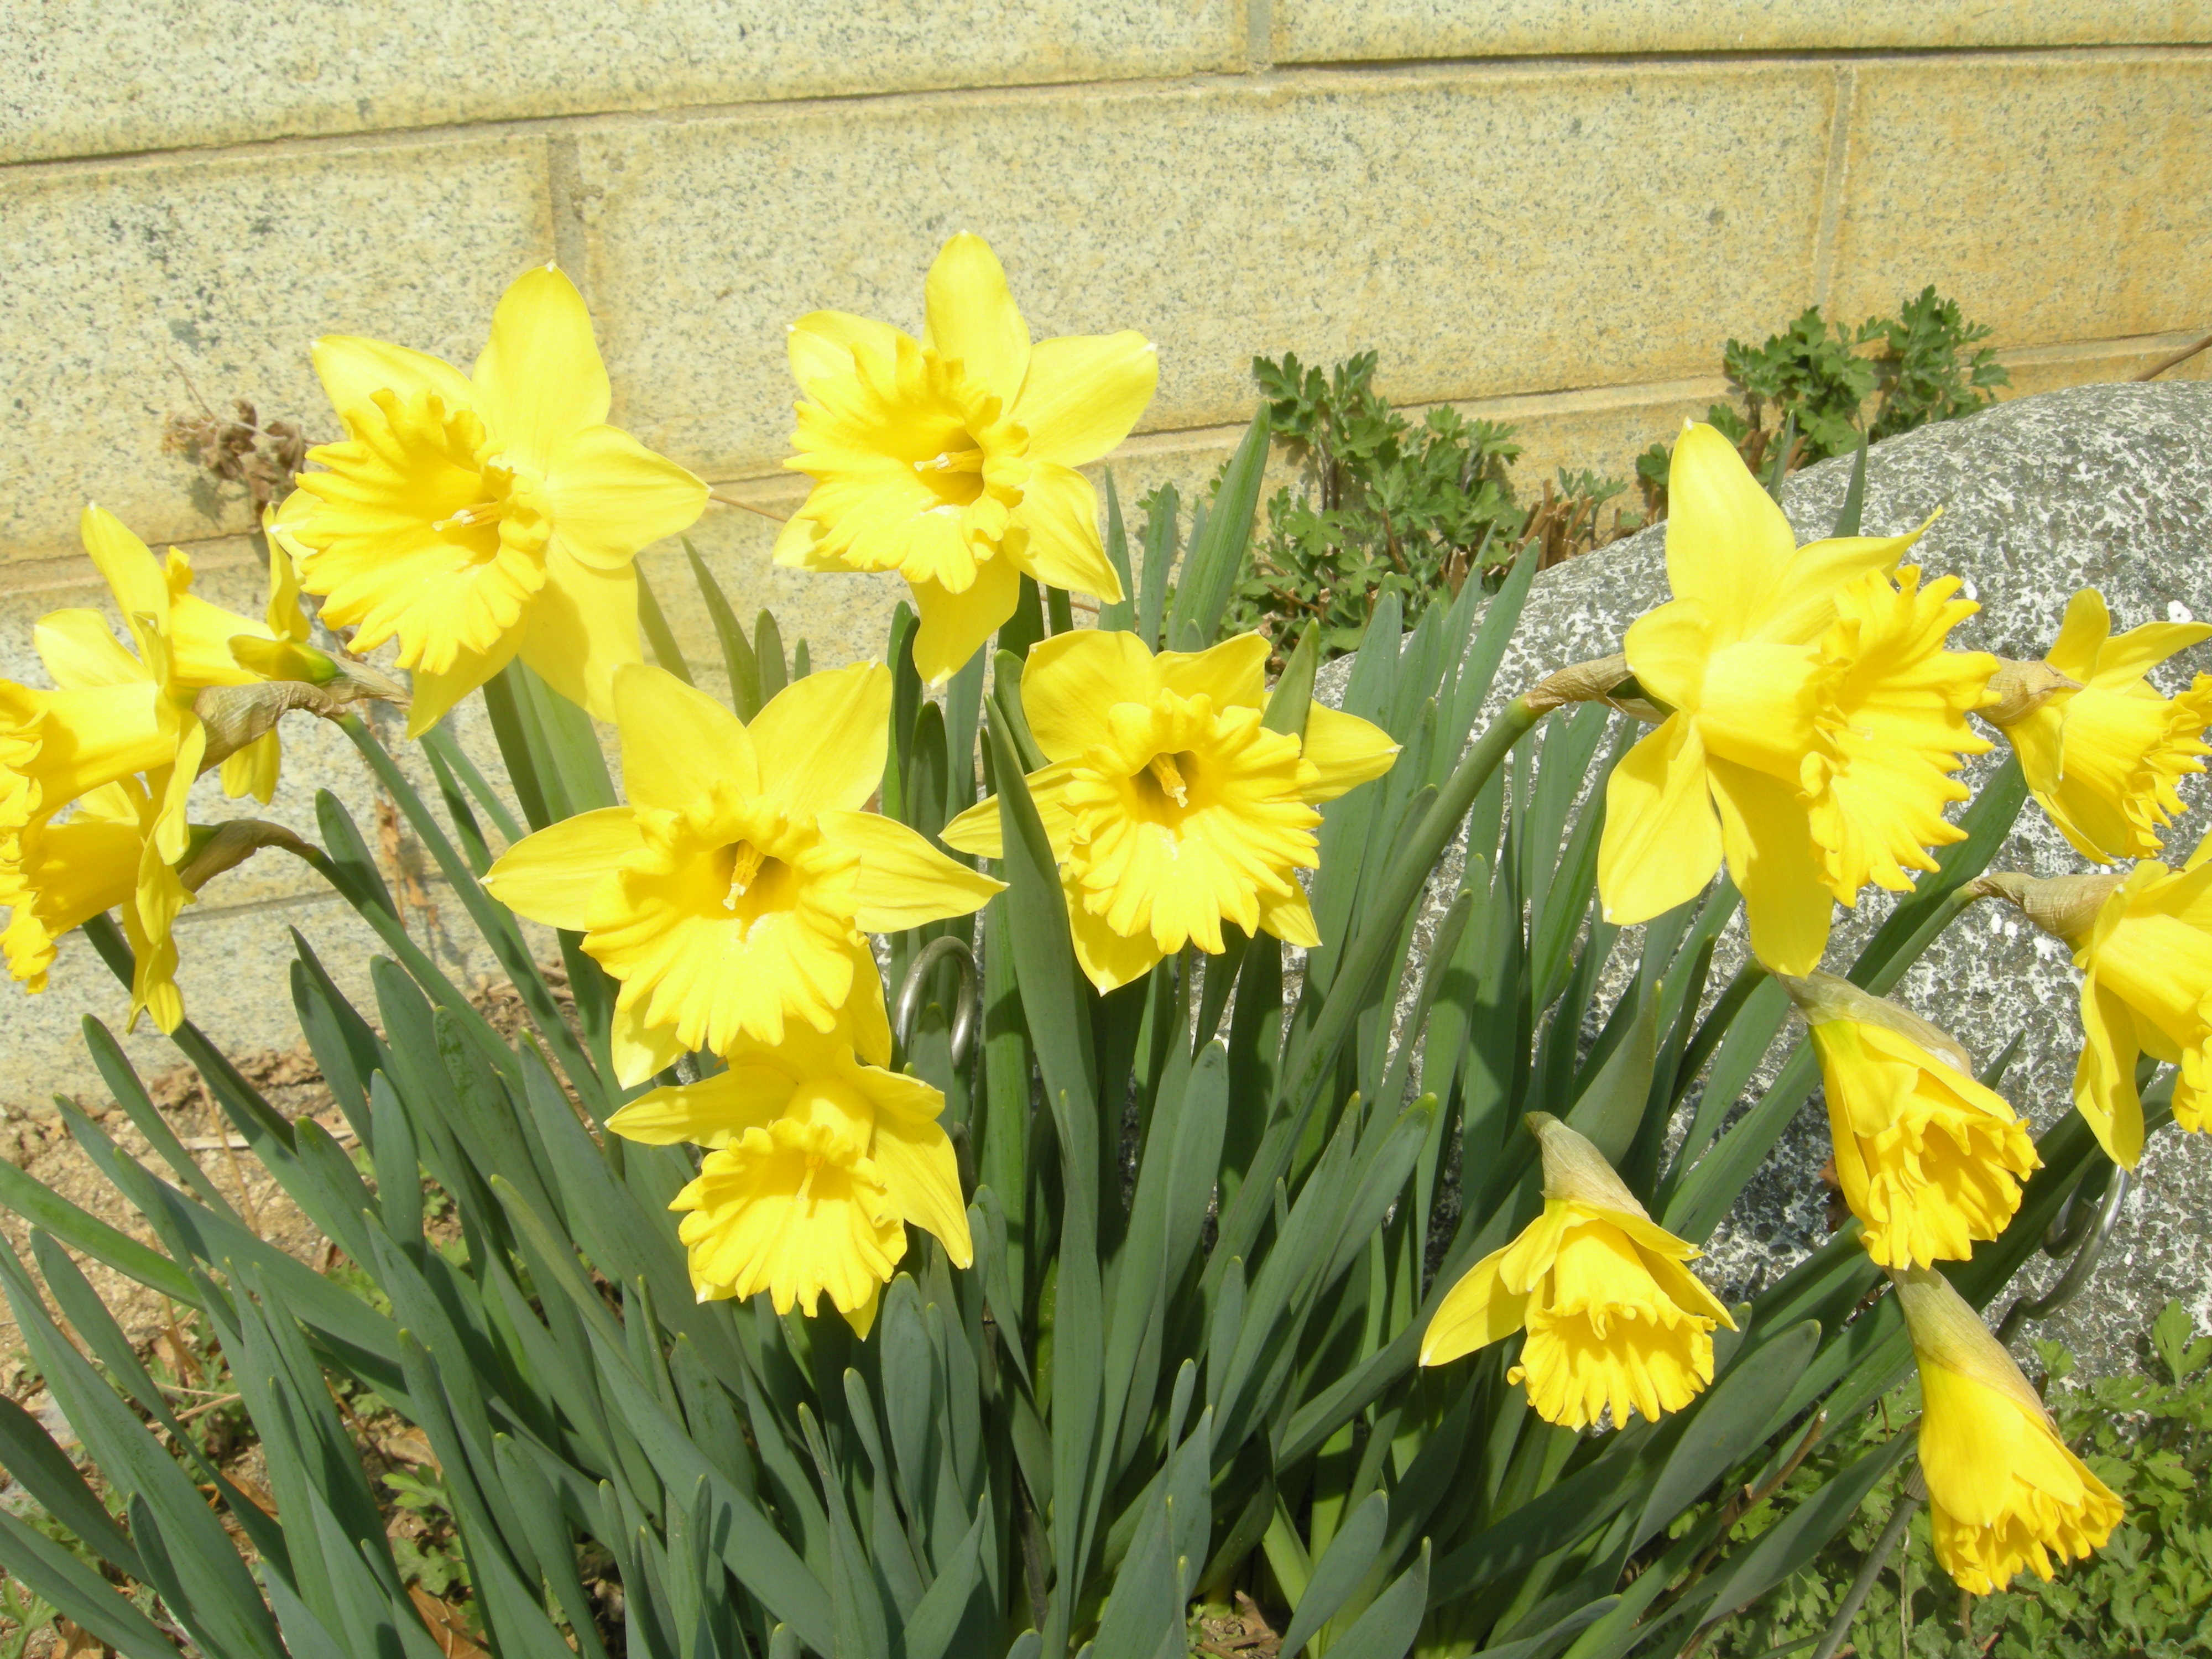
953,460
2102,749
729,898
1614,1320
1928,1159
1173,811
2004,1491
2143,943
1815,718
817,1158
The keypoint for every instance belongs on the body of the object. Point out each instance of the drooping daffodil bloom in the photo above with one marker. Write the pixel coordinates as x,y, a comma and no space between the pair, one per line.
818,1157
1928,1159
2004,1491
2143,943
104,857
1614,1320
729,896
477,517
1170,807
2103,750
1815,718
952,459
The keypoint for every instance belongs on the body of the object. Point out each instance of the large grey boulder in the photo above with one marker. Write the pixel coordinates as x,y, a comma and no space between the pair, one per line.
2104,486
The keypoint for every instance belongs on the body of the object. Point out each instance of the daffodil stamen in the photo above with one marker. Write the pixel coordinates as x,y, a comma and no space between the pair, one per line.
1168,775
963,460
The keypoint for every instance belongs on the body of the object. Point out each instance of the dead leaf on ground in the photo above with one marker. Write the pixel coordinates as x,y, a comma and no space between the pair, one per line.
449,1626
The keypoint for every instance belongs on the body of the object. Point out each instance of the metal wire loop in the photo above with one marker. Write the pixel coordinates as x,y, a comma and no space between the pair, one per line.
964,1009
2067,1228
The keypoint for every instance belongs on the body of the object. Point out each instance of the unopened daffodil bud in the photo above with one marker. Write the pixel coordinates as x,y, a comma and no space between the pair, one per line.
1614,1320
1816,718
818,1157
2143,943
1928,1159
1171,808
2102,750
2004,1491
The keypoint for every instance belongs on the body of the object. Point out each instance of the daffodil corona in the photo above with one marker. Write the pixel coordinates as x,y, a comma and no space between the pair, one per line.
1928,1159
2004,1491
728,897
1614,1320
2102,750
818,1157
1170,808
951,460
482,516
1815,717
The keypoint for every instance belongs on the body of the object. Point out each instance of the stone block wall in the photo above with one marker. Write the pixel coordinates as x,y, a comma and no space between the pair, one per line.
1548,211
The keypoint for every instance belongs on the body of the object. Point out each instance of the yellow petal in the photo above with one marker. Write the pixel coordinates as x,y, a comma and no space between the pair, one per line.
823,739
1054,533
1344,751
1475,1312
99,734
2081,635
1290,918
1108,960
1669,649
1071,680
678,743
2105,1075
539,380
199,637
551,876
920,1171
1803,604
825,342
1234,673
1084,393
973,318
862,1318
905,881
580,629
638,1050
977,830
253,770
434,693
353,369
2126,659
287,618
955,625
1727,543
127,565
80,652
712,1113
1661,841
1769,841
611,496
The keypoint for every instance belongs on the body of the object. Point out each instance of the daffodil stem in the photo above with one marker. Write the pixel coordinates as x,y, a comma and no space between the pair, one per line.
1363,959
1910,1497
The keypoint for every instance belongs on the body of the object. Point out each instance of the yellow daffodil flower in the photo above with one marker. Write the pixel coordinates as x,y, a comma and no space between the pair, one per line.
480,516
1614,1320
819,1155
1928,1159
2143,943
2004,1491
104,857
952,460
728,897
2102,750
1815,716
1170,809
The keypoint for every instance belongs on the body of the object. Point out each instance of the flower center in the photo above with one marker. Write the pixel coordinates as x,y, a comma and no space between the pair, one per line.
1164,788
754,883
955,474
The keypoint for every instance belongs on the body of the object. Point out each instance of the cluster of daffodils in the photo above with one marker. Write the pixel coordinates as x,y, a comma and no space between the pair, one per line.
1810,718
96,773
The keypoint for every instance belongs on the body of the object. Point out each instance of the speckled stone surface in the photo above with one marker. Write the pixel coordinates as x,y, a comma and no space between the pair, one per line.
178,73
1327,30
2107,486
1971,175
130,280
1437,216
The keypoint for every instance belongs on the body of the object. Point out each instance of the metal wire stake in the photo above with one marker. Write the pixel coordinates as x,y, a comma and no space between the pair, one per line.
964,1008
1908,1506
